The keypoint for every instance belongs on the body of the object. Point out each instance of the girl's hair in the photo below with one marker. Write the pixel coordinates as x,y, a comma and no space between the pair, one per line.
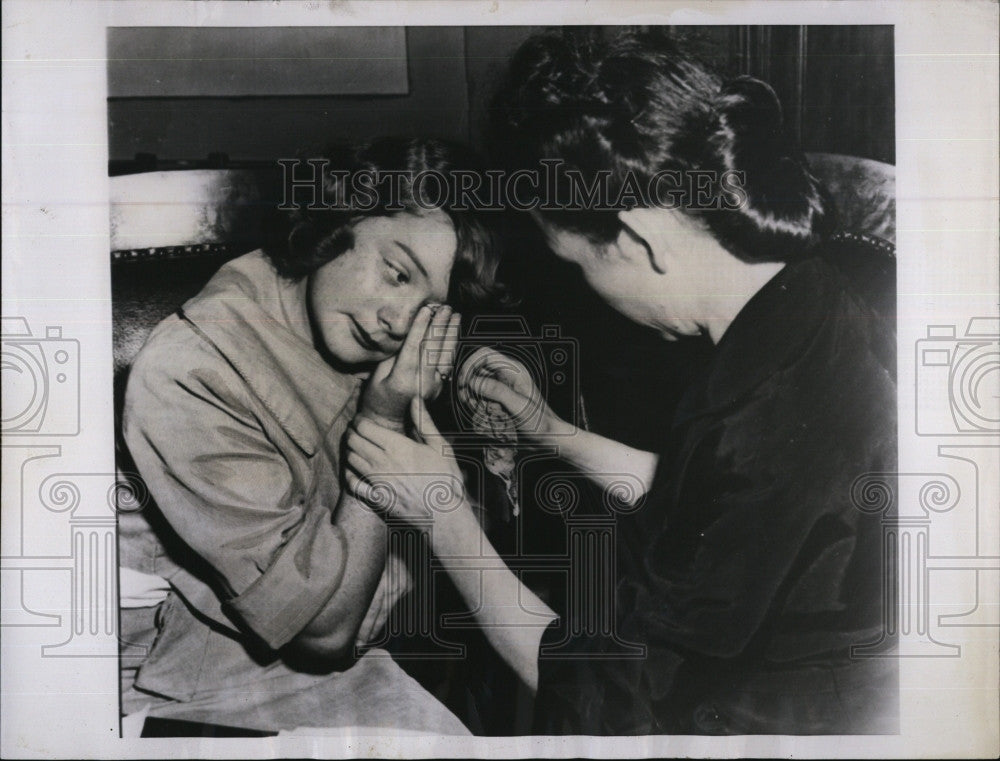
631,106
316,233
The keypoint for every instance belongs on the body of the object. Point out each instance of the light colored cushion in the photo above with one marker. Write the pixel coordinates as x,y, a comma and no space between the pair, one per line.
185,207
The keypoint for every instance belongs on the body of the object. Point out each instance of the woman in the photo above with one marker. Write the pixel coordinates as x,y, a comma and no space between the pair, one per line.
234,414
745,568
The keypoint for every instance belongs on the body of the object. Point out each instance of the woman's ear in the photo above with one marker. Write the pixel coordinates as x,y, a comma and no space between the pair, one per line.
648,228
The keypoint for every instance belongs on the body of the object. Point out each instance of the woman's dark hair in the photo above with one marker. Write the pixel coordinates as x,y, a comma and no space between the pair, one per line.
632,106
316,233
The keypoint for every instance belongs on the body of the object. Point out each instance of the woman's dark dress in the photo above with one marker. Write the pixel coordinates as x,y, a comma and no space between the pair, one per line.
749,573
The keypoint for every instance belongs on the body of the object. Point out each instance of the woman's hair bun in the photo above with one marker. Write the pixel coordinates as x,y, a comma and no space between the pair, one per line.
751,111
781,199
630,105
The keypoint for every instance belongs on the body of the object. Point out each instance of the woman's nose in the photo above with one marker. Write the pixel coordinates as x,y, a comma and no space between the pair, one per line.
395,318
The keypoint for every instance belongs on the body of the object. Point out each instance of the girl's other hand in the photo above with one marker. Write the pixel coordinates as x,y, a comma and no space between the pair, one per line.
400,477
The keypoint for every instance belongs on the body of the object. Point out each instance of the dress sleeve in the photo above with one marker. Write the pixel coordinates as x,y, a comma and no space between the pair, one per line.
717,569
760,544
739,553
226,490
696,593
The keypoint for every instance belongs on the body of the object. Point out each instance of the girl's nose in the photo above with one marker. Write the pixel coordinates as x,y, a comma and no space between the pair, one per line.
395,318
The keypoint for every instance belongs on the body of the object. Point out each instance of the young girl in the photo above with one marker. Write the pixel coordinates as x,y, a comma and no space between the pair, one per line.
234,414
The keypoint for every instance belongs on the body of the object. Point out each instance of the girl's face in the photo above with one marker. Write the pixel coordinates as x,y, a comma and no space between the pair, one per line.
363,302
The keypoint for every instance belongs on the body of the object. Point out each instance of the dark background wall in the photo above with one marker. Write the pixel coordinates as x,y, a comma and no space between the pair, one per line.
836,83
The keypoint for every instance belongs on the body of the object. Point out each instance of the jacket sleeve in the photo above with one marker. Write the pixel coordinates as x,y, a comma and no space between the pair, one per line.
226,490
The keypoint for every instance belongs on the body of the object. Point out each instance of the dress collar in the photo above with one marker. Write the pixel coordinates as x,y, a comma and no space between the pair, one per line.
770,331
258,322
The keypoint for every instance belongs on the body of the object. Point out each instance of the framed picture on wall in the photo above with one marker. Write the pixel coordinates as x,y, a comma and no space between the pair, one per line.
148,62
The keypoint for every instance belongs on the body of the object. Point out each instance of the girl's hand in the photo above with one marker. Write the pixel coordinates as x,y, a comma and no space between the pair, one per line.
420,367
400,477
490,376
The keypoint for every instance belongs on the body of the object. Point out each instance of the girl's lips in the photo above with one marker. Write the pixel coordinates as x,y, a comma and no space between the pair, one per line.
363,339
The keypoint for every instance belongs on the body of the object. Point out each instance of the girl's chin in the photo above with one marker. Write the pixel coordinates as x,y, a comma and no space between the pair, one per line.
345,353
355,357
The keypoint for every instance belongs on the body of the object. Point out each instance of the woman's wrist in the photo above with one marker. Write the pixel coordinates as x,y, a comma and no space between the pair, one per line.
456,531
556,432
585,451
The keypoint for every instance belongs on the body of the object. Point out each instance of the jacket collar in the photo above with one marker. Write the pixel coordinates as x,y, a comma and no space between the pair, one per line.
258,323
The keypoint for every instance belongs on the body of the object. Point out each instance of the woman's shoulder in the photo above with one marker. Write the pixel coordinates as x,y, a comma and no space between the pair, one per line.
866,267
166,355
176,343
178,384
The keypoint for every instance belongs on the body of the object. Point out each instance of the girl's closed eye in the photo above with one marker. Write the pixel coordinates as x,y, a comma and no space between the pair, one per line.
396,274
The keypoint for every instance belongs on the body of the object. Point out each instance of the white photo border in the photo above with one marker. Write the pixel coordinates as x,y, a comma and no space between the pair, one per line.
60,692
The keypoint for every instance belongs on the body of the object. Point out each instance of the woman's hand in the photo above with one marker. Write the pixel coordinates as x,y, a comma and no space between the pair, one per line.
420,367
490,376
400,477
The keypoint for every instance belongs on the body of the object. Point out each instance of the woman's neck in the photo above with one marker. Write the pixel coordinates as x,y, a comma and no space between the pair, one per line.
727,287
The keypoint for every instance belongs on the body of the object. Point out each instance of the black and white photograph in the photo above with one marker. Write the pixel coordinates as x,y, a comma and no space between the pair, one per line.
502,382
